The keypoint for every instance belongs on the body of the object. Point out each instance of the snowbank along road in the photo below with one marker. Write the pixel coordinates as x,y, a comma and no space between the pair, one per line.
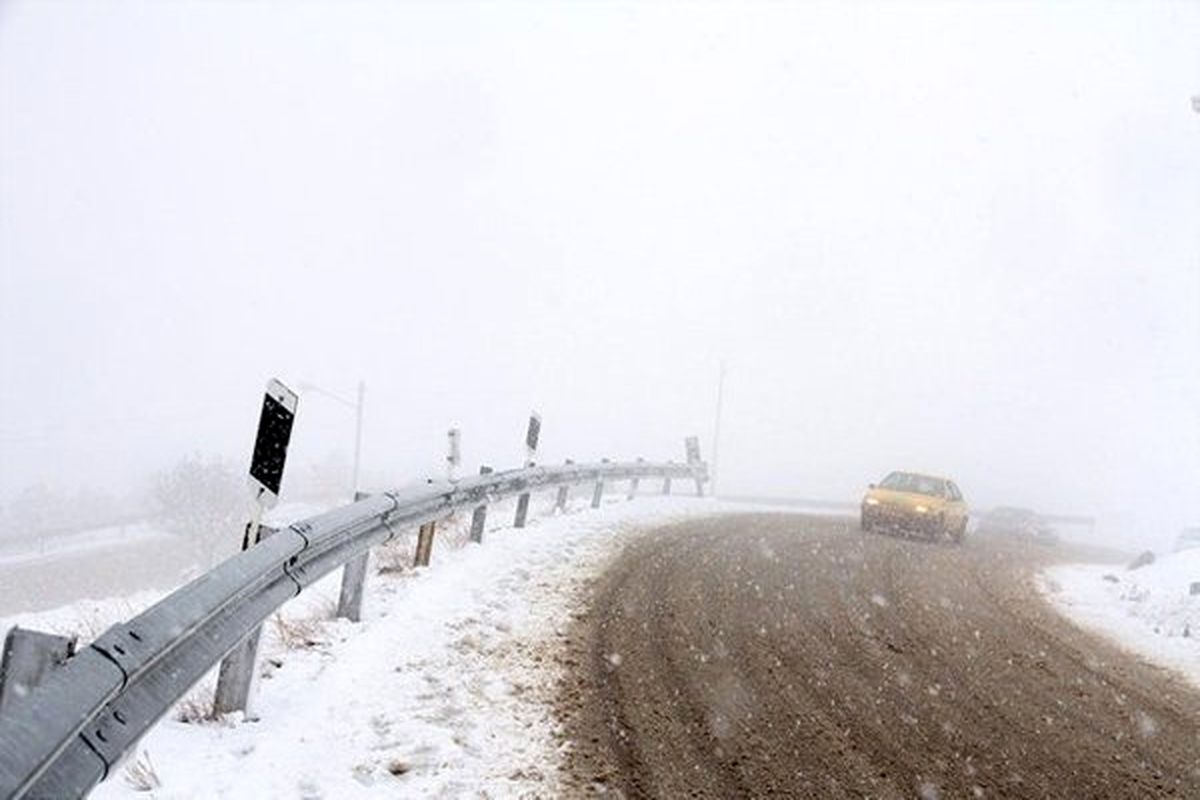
789,656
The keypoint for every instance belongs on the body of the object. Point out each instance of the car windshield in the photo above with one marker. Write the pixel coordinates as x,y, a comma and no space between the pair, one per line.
917,484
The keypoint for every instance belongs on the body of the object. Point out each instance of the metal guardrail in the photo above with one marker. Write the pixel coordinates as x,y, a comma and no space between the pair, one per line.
66,734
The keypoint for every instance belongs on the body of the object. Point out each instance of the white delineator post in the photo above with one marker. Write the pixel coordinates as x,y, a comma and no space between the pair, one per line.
633,482
598,491
479,515
426,532
560,500
692,446
453,453
531,443
235,680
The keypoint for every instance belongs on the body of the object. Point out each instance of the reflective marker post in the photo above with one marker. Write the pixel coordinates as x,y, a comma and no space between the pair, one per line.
560,500
598,491
236,677
453,453
479,515
633,482
531,442
692,445
425,541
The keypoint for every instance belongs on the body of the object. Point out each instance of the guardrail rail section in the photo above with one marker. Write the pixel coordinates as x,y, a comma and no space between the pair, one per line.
63,735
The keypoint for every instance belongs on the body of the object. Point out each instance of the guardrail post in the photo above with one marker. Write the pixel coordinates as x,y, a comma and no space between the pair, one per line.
692,446
531,442
235,680
28,656
354,576
424,544
560,500
633,482
453,453
598,492
479,515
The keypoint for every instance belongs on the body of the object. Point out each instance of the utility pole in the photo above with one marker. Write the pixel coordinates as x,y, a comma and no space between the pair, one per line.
358,420
716,441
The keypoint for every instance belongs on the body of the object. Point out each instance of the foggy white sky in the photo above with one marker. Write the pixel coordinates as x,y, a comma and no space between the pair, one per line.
958,238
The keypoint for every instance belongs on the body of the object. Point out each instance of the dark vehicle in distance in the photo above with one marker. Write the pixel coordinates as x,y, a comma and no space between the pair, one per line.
1017,523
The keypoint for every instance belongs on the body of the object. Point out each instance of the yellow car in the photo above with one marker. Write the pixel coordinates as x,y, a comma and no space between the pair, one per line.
920,503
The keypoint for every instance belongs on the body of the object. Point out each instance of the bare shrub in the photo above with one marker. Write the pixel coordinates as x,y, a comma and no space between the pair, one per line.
396,556
325,609
454,531
91,622
141,775
204,500
196,706
295,633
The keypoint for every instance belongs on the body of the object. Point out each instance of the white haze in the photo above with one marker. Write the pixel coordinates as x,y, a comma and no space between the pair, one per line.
960,238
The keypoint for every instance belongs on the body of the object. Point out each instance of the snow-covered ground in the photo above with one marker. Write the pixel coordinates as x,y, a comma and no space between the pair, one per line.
443,690
1148,611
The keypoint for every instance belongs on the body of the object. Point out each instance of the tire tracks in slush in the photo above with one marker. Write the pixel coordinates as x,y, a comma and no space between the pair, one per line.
780,655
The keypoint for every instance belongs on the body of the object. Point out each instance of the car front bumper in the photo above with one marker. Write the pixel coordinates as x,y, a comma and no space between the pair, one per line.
901,517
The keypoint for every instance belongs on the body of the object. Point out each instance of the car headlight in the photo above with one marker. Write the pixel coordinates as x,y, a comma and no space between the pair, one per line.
921,509
871,501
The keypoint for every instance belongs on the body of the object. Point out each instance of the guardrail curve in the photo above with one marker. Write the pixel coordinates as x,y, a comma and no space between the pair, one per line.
66,734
